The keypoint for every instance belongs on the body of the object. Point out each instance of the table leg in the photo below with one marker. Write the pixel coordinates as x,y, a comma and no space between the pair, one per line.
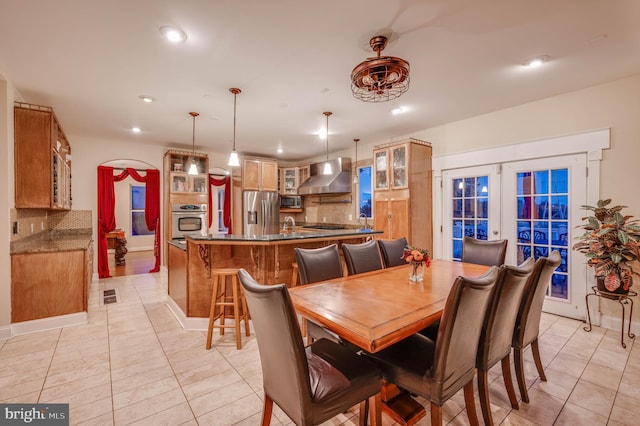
622,327
629,333
400,406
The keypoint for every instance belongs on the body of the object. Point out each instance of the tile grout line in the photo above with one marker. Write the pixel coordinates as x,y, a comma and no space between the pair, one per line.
49,366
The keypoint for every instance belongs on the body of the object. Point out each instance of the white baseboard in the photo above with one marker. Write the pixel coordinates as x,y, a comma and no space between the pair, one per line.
187,323
5,332
43,324
615,322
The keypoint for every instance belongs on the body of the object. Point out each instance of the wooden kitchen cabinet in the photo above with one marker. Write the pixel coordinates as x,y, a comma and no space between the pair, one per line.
47,284
402,192
259,174
42,159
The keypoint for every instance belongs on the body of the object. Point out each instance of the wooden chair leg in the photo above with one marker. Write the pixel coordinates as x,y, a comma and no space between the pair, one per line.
212,311
508,382
469,402
518,363
236,310
483,393
375,409
245,312
267,411
536,358
436,414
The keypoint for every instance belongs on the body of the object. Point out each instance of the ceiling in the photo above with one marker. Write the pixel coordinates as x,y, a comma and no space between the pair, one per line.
91,60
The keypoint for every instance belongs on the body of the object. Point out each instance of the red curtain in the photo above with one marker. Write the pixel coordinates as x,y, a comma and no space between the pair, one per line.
226,209
106,204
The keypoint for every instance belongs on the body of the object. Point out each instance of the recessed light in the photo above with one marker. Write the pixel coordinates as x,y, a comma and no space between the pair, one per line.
173,34
147,99
136,129
398,110
279,151
536,62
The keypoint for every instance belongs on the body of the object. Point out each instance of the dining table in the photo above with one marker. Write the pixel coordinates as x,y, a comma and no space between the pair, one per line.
376,309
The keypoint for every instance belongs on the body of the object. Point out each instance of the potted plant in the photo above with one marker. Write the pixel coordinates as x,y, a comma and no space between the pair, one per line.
611,242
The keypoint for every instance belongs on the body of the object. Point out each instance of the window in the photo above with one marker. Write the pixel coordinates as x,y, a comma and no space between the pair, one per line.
364,192
470,211
138,224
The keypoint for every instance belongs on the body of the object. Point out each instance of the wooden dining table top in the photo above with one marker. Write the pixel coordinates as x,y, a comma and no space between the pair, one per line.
377,309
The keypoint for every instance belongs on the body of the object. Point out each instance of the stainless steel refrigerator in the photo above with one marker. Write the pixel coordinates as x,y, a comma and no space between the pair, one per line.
261,212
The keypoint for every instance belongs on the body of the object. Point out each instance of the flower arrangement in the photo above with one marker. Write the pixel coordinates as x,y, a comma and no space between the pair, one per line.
418,259
416,255
611,242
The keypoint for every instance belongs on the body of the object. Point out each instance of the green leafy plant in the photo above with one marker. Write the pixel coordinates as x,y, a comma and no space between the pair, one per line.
611,241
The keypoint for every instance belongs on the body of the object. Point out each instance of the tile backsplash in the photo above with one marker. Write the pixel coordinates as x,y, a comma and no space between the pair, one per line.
34,221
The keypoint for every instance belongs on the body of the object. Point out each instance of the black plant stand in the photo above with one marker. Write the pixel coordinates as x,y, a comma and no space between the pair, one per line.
623,299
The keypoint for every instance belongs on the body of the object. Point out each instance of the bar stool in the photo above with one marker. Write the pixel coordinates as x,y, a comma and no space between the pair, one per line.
220,299
294,274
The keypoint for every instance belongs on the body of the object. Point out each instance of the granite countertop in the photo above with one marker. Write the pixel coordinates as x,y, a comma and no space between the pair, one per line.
52,241
305,234
180,243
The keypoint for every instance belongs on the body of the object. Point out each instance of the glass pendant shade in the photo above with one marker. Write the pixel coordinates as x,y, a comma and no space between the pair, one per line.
328,170
234,161
193,169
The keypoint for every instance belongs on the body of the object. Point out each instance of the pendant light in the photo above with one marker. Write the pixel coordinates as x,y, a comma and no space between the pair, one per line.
193,169
234,161
328,170
355,175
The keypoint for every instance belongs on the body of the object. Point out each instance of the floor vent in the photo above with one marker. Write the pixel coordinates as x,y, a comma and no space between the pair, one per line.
109,296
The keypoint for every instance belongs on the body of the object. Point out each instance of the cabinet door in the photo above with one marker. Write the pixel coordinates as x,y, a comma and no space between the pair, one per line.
251,175
399,221
179,182
381,218
399,173
269,176
289,180
303,174
381,169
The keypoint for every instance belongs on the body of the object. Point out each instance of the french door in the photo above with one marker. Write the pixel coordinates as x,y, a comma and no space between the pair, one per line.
535,205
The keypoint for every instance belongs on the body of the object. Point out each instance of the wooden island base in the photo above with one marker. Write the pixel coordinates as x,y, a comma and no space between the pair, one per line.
269,262
400,406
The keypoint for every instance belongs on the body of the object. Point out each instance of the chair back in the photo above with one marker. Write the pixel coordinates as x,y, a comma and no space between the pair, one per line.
500,319
459,333
528,320
392,250
282,355
490,253
318,264
361,258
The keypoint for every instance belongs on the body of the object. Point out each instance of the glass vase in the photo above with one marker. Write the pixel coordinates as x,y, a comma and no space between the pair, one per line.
416,272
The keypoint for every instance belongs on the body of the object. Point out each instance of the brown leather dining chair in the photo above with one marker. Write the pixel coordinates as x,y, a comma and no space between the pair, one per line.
361,258
497,332
437,370
527,325
392,251
490,253
313,384
316,265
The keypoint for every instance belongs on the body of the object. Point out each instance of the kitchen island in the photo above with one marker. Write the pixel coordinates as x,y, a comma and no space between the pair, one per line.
268,258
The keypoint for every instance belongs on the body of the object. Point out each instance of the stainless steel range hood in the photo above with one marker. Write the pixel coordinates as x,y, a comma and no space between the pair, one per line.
338,182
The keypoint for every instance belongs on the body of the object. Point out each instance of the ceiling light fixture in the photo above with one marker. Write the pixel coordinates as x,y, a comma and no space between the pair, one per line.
327,166
147,99
136,129
380,78
193,169
397,110
355,174
536,62
173,34
234,161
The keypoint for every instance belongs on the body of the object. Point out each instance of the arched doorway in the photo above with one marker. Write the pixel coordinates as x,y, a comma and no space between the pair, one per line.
131,247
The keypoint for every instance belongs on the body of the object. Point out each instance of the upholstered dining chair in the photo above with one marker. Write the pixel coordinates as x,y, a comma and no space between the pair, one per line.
497,332
490,253
361,258
527,325
436,370
392,251
313,384
316,265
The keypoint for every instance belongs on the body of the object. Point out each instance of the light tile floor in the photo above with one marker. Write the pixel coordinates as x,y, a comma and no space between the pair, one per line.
133,364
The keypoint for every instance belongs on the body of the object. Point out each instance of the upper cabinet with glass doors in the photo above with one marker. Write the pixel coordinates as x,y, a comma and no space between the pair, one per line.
391,165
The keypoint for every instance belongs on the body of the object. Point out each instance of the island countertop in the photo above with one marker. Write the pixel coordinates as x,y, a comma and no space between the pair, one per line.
284,237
